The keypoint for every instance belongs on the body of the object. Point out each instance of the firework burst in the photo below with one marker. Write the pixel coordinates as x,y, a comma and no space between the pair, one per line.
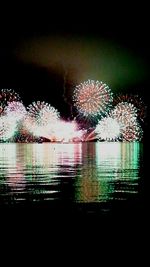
92,98
134,100
124,113
108,129
15,109
43,113
132,133
7,95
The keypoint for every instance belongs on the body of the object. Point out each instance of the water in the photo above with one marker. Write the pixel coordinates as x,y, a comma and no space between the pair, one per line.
82,178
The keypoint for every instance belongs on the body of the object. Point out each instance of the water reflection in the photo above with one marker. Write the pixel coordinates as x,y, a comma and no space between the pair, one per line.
85,172
11,165
35,172
108,170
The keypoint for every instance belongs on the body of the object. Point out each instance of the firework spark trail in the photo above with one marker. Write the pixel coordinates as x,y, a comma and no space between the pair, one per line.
68,83
64,85
91,136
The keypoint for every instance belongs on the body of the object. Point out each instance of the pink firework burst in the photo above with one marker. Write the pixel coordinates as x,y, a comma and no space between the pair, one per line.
92,98
132,133
124,113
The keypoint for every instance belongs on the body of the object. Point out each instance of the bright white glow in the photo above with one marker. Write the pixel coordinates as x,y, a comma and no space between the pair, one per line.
61,131
7,127
16,110
108,129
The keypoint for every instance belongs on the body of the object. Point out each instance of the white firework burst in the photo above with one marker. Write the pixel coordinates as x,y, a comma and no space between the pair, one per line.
108,129
48,115
43,113
15,109
7,127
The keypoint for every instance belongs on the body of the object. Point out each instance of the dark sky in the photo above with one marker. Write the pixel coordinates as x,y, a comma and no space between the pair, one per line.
43,56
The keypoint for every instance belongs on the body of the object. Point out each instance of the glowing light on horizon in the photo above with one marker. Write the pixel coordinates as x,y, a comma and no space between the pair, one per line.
60,131
66,132
93,101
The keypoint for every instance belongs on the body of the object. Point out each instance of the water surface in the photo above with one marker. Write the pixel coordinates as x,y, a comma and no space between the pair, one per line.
86,177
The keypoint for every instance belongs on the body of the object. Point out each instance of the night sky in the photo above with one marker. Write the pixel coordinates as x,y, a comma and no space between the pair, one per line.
43,58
